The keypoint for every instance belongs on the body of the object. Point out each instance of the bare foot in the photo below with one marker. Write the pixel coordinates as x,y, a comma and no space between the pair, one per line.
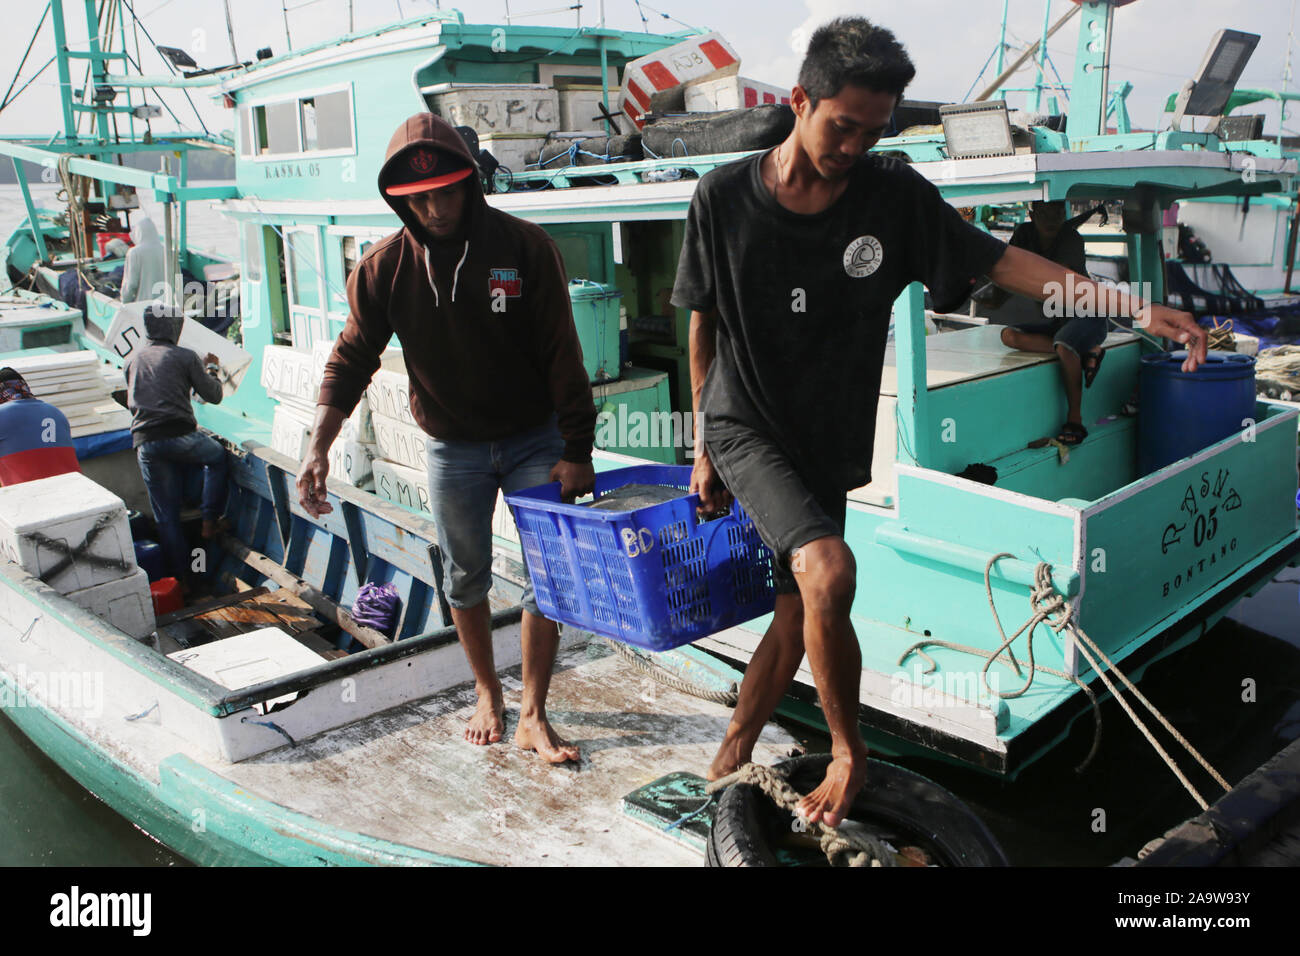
831,801
731,756
487,725
536,733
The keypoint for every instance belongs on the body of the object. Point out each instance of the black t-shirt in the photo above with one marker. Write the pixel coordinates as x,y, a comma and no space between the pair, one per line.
804,302
1067,248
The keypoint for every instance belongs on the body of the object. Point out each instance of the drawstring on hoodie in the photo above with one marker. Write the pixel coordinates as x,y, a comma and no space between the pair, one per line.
428,271
456,275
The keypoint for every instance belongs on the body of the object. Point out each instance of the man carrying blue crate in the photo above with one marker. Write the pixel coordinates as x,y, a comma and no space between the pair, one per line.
478,300
791,263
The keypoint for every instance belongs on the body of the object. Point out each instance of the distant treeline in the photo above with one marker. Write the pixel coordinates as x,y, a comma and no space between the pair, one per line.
203,164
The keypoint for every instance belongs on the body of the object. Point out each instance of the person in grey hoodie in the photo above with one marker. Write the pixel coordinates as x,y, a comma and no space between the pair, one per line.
145,274
159,379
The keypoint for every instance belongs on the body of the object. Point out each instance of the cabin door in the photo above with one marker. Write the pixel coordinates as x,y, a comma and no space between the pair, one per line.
307,313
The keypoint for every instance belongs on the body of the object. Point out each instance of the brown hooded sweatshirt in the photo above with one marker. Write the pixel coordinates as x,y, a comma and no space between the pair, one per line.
484,320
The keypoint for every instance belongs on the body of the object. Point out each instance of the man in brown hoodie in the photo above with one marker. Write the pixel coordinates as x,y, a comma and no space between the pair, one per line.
479,302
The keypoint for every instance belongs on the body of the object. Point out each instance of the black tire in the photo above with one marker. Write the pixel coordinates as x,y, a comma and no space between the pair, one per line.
898,805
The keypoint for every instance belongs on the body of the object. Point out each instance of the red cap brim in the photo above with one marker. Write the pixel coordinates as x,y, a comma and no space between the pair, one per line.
424,185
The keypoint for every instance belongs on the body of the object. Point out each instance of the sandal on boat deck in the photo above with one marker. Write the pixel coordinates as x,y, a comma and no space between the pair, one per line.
1090,371
1071,434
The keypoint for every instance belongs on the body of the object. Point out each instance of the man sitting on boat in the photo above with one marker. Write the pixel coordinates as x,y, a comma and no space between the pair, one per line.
145,273
479,302
159,379
35,438
1076,339
791,264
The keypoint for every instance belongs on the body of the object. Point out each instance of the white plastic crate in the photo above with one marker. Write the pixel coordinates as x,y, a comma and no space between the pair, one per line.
43,521
125,603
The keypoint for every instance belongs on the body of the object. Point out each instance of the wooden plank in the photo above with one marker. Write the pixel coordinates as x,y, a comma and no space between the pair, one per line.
321,603
207,604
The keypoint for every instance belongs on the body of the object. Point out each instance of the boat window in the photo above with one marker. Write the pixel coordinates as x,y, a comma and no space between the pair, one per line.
354,247
245,133
278,128
252,252
304,266
327,121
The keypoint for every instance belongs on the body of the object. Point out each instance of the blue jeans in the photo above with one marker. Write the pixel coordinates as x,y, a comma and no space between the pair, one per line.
162,463
464,478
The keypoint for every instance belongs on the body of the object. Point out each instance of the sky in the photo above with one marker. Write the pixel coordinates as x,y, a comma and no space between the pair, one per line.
1158,43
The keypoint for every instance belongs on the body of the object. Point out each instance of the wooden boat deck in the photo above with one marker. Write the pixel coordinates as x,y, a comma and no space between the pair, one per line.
211,619
407,774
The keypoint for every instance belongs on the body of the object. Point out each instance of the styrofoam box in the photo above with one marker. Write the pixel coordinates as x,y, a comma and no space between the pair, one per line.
497,107
410,487
402,485
399,442
731,93
125,603
288,373
707,56
580,107
390,394
64,509
363,428
247,659
511,151
352,461
290,434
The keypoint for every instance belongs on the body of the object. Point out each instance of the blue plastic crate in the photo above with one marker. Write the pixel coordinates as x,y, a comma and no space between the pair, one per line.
655,577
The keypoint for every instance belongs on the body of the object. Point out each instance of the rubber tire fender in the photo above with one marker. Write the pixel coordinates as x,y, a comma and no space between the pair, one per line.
893,795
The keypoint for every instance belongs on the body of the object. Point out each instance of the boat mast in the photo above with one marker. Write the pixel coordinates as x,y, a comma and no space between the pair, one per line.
1286,78
1036,99
1002,37
230,29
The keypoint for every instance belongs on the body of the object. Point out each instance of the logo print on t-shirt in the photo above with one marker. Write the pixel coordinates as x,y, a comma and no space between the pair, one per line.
863,256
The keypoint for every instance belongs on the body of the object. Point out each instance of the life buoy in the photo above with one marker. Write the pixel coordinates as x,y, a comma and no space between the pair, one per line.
901,807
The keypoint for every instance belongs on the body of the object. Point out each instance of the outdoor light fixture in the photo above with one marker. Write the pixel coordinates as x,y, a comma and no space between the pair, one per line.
1207,94
147,111
178,58
1250,126
977,130
105,94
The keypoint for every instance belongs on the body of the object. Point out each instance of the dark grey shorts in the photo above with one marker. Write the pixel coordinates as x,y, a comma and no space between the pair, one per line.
1080,334
788,506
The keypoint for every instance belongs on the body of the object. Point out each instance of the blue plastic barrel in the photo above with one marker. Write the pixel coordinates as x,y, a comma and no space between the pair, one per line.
1181,413
149,556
